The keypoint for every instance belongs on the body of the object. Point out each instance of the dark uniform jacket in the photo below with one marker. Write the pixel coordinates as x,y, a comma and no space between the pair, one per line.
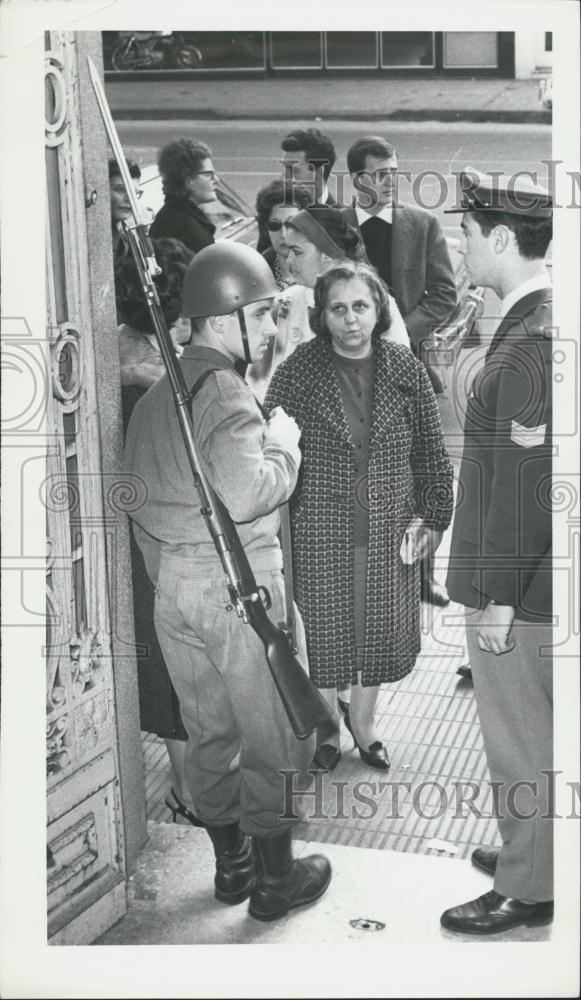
501,542
180,219
408,474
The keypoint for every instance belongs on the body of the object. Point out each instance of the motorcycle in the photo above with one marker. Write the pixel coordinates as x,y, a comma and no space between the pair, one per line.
155,50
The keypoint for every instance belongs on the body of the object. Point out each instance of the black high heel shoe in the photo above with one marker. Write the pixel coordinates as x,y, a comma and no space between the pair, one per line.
376,755
181,809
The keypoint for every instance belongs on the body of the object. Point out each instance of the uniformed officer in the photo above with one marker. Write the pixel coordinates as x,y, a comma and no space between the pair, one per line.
240,738
500,558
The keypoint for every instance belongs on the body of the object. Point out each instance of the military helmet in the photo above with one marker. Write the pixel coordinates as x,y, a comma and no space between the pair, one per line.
224,277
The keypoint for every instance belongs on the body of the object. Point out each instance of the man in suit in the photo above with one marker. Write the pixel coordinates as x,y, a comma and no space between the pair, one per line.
408,249
500,559
309,157
189,182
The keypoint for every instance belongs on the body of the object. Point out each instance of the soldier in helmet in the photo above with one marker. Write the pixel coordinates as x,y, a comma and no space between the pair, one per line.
500,555
239,736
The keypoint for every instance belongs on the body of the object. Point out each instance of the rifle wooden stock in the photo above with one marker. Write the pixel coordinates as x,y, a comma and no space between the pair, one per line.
303,703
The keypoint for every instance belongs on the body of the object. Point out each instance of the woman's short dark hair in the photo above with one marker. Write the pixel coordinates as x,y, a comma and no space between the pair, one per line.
173,257
532,235
277,193
368,145
178,161
132,166
348,271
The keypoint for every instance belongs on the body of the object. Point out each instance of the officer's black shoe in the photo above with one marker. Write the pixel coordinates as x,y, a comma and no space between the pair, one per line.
433,592
485,858
235,867
493,913
284,883
465,672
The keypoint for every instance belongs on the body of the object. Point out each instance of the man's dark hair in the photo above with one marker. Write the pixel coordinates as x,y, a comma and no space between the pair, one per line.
132,166
369,145
178,161
277,193
532,235
315,146
173,257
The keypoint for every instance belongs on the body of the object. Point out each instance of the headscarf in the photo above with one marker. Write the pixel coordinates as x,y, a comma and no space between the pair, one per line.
327,230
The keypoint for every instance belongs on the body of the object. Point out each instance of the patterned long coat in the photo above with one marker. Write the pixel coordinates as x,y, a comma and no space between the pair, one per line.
409,475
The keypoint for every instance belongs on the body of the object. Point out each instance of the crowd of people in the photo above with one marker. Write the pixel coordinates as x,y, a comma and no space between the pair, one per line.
312,386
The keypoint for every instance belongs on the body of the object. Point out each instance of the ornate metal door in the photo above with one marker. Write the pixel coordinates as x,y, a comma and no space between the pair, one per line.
86,879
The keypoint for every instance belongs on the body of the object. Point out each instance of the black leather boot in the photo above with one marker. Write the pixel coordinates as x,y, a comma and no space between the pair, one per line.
235,868
283,882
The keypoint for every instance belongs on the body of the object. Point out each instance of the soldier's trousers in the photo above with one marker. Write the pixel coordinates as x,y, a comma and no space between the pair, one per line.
239,734
514,696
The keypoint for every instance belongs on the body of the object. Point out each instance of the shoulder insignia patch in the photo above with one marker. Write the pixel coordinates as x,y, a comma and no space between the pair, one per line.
527,437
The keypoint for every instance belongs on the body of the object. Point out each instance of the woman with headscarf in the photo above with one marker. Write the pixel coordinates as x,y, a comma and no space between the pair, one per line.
277,204
374,494
316,238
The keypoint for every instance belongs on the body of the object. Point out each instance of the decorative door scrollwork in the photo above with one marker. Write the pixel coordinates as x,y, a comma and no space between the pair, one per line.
85,826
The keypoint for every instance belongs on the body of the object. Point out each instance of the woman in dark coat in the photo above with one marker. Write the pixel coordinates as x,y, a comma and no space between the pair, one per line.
374,462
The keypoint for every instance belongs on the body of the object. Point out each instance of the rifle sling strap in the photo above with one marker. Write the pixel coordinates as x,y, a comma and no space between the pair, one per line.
285,528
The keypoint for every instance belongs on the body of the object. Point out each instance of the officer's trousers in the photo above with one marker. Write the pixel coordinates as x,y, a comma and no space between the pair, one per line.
514,696
239,734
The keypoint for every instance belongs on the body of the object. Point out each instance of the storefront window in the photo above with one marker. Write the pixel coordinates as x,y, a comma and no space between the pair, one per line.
222,50
296,50
470,50
407,49
351,49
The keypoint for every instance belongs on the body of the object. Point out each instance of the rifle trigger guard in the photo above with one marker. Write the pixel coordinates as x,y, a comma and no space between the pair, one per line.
265,598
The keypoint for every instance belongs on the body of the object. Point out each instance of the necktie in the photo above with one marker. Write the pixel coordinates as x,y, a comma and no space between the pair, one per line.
376,235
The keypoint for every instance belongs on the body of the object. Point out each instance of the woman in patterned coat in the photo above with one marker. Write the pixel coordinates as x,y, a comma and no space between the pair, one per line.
374,461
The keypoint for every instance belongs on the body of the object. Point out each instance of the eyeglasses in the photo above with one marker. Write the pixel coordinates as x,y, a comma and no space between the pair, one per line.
205,173
275,225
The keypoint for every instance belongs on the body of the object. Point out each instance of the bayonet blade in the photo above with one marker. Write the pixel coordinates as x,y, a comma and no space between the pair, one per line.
114,142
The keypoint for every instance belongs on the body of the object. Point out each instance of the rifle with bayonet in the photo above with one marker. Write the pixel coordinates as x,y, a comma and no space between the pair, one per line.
304,704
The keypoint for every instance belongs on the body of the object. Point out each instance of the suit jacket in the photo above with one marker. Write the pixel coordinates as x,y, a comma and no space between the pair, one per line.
501,542
422,278
409,473
180,219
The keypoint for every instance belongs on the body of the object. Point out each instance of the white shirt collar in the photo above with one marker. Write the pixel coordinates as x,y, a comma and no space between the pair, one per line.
532,285
362,216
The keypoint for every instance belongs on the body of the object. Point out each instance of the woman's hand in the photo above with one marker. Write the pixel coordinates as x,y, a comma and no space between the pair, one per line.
426,542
